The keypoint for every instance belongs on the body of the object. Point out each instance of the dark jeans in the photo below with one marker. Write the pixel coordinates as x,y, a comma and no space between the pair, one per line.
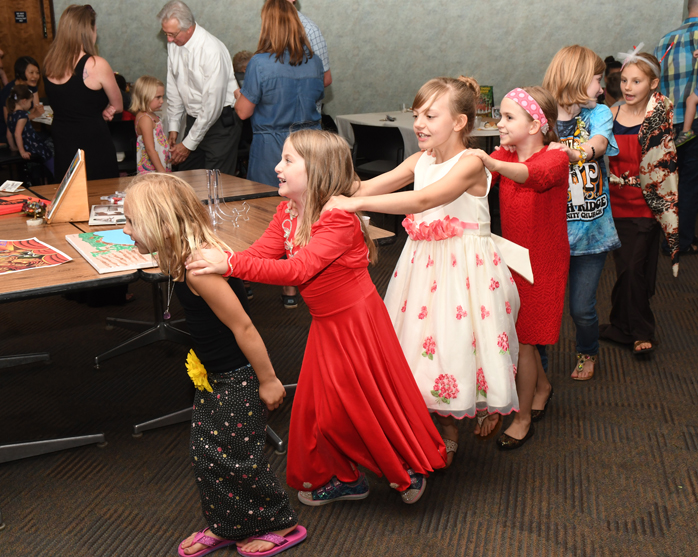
218,149
688,190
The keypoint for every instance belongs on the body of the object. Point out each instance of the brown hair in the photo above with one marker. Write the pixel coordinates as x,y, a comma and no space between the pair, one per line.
17,93
144,91
75,32
464,96
644,66
282,30
241,59
570,73
330,172
169,219
549,106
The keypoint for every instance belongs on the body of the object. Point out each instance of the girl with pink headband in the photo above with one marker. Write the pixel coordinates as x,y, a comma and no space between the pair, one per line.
451,298
532,199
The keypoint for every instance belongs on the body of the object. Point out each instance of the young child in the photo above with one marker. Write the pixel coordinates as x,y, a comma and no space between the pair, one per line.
585,131
452,299
153,150
533,201
644,194
26,73
242,500
28,142
356,403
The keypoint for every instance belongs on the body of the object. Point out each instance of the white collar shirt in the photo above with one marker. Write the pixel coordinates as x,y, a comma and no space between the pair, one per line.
200,83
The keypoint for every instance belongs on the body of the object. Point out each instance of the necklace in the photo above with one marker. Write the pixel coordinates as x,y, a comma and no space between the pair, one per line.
170,289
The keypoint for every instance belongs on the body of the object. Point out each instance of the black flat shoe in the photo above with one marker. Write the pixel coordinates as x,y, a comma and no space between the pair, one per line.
508,443
538,415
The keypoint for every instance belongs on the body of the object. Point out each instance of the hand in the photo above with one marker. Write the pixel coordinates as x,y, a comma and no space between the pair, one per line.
108,113
172,138
340,202
572,154
207,262
179,153
38,110
488,161
26,155
509,148
695,53
272,393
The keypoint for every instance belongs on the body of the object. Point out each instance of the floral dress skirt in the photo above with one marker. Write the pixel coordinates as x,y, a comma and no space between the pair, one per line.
453,303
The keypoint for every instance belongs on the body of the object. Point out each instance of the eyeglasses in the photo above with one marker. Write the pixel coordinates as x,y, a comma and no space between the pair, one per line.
173,35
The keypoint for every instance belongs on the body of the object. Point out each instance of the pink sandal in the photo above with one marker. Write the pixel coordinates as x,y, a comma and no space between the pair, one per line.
212,544
282,543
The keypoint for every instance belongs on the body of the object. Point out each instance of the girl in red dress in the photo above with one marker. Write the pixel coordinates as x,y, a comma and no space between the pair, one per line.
357,403
533,200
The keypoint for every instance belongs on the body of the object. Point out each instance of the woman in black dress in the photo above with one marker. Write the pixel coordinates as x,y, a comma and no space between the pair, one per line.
83,94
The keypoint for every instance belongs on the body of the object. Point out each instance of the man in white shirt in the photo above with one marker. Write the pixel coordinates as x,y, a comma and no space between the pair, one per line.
200,83
317,43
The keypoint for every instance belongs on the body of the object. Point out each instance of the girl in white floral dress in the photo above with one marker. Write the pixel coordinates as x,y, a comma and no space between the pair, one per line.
451,298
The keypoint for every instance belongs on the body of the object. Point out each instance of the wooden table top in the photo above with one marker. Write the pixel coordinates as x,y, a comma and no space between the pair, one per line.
230,187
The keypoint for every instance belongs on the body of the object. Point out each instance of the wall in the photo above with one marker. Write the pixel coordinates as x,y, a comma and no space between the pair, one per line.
382,51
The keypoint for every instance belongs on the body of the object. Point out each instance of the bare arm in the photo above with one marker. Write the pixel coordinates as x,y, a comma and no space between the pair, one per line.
19,128
390,181
99,75
145,129
222,300
244,108
327,78
690,114
516,171
468,174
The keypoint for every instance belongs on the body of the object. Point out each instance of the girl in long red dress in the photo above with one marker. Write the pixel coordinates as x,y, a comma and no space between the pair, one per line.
357,403
533,198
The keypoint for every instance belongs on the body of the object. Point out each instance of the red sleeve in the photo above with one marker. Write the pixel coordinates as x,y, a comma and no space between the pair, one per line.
331,237
270,245
546,170
500,155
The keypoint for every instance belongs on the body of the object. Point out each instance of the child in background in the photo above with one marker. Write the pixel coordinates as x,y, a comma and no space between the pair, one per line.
28,142
533,201
357,403
585,129
241,498
153,150
240,61
644,193
452,299
26,73
687,133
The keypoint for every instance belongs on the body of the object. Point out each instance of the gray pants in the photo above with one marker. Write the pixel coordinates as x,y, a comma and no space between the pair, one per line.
218,149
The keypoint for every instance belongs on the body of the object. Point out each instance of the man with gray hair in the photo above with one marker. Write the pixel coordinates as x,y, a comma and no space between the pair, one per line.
200,83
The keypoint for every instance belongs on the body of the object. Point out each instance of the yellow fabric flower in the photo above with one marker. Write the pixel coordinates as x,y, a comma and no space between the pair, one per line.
197,372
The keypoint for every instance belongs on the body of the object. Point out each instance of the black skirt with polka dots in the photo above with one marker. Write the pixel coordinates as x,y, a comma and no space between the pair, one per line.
240,494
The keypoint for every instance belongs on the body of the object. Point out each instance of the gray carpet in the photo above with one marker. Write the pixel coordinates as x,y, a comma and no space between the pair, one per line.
611,470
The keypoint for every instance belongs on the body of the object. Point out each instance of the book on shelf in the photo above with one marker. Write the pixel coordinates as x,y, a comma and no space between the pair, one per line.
110,251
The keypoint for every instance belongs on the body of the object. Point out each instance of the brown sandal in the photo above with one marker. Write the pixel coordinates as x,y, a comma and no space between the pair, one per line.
581,360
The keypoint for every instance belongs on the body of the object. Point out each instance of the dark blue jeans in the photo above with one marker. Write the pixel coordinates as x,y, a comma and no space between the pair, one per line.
585,272
688,190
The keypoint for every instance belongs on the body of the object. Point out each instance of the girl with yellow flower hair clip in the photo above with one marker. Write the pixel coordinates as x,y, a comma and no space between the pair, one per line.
243,501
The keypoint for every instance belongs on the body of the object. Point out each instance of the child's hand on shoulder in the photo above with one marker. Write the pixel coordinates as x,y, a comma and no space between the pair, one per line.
482,155
341,202
572,155
272,393
207,262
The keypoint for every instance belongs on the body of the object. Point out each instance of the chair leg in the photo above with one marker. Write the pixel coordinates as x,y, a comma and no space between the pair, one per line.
20,359
18,451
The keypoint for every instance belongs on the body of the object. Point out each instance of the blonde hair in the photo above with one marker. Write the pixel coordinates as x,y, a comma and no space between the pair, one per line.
144,91
570,73
644,66
168,217
549,106
75,32
463,100
330,171
282,30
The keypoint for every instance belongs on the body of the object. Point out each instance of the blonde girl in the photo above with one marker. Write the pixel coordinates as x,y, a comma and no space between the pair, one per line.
153,150
357,403
585,129
644,193
242,500
452,299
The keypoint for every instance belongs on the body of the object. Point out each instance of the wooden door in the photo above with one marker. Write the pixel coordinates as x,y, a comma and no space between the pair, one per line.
27,28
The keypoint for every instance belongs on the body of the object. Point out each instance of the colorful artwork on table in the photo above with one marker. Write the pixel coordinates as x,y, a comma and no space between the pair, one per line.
14,203
24,255
109,251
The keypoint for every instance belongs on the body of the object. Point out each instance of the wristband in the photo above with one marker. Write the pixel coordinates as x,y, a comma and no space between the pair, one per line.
593,153
230,264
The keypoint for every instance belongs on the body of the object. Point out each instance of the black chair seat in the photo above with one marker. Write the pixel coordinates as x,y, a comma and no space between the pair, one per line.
123,136
375,168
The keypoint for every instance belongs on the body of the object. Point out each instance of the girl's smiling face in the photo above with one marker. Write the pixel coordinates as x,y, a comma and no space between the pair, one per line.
293,177
594,90
156,103
32,74
516,125
636,85
434,123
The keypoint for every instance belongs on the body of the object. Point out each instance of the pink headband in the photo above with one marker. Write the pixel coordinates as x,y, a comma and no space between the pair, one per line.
528,103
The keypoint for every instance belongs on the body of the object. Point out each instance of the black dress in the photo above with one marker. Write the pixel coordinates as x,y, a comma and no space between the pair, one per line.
78,124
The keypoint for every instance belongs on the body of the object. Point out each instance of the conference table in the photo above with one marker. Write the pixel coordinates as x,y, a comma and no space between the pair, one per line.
403,121
78,274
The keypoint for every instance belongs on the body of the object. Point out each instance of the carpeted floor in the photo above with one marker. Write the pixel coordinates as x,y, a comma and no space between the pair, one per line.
612,469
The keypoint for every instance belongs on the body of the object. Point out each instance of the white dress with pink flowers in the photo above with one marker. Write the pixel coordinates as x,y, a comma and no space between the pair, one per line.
454,303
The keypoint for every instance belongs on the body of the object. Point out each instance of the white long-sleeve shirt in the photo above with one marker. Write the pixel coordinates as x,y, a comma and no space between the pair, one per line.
200,82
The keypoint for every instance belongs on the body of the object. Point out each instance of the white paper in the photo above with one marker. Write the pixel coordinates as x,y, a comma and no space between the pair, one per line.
10,185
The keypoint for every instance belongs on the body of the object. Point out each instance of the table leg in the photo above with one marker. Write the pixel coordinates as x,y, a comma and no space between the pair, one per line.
18,451
160,329
20,359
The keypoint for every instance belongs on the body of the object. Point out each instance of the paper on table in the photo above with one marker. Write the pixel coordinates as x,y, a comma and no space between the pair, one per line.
25,255
11,185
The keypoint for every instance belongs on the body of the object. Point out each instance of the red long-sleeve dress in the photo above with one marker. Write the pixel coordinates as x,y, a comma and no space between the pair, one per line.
534,216
357,401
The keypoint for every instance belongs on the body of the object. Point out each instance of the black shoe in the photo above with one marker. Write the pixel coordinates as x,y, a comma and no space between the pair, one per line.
538,415
290,302
508,443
